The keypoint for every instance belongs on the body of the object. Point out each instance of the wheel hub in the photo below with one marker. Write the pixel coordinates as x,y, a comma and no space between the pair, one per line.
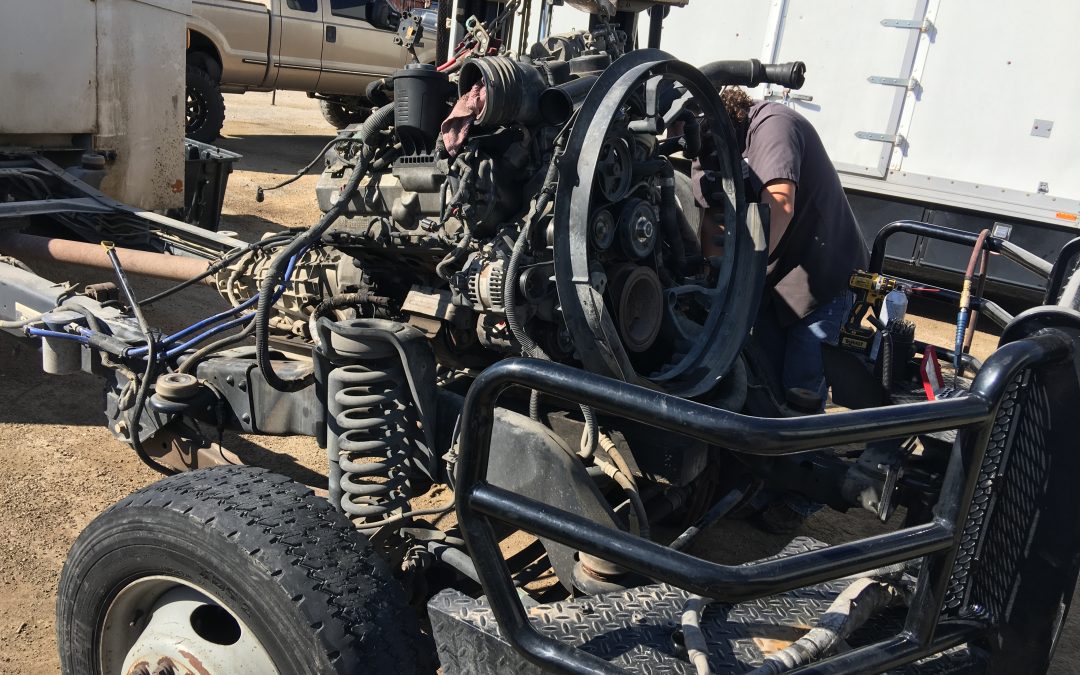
166,626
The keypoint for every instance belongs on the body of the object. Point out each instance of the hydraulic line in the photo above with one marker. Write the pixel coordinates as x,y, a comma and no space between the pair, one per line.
965,302
139,351
275,275
342,301
618,471
528,346
855,605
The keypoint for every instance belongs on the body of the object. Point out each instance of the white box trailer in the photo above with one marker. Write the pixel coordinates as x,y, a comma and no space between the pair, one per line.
102,75
964,113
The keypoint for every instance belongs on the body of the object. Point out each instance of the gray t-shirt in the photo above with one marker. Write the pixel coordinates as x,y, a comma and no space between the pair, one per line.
814,260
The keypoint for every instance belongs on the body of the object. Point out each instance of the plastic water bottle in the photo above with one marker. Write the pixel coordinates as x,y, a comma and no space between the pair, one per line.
895,306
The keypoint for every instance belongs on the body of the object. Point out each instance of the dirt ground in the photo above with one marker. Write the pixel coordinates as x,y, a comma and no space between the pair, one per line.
59,467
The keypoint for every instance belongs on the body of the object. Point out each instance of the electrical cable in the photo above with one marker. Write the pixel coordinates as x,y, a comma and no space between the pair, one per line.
274,276
151,364
191,362
218,266
260,191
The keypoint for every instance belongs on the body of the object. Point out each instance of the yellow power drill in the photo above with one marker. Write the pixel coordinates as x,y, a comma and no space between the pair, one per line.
870,290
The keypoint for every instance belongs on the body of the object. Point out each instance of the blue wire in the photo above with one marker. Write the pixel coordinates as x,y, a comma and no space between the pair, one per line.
180,349
40,332
142,351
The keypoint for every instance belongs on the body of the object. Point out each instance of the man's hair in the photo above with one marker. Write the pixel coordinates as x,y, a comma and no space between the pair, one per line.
737,103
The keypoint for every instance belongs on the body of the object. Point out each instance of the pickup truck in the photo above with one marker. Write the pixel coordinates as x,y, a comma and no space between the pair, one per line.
332,49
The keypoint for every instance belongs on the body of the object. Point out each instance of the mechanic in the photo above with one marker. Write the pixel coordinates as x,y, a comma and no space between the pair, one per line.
814,240
814,245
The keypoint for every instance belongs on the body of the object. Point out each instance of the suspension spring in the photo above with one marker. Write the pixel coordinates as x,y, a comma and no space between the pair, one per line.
372,433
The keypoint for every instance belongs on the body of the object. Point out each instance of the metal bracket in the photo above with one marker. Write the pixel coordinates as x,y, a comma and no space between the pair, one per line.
787,95
896,139
922,26
909,83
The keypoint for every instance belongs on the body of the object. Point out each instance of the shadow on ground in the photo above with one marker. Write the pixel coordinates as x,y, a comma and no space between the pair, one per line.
283,154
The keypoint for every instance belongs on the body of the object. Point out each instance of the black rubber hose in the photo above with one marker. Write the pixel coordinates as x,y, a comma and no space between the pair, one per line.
590,437
751,73
191,362
669,218
217,267
378,121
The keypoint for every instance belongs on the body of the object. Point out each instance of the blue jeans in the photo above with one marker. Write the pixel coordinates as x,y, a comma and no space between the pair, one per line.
795,351
795,355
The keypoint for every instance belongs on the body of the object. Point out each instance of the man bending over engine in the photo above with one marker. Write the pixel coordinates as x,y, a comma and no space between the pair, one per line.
814,241
814,245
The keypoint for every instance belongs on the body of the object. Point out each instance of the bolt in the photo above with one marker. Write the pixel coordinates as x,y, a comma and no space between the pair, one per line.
246,418
644,230
242,386
229,380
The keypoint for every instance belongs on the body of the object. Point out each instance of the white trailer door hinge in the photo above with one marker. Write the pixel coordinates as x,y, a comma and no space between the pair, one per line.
786,95
909,83
923,26
895,139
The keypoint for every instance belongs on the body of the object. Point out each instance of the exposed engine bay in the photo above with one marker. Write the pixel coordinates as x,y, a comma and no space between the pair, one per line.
501,212
577,202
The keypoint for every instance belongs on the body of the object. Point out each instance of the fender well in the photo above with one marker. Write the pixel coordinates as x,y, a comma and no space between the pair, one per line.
204,53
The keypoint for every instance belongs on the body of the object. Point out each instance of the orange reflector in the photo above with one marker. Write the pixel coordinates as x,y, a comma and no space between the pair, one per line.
1067,216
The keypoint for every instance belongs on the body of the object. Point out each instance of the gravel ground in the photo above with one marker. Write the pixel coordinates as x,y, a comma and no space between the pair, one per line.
59,466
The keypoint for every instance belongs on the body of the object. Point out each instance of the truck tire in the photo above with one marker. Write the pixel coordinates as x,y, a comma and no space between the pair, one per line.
338,115
244,570
205,113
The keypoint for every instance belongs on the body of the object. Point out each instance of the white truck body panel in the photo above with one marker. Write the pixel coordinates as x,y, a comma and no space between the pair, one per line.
990,119
107,73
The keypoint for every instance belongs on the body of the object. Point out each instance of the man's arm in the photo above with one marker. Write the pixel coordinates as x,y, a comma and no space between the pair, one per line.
779,194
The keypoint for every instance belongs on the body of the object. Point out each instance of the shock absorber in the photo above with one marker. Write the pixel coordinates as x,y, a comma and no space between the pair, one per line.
376,437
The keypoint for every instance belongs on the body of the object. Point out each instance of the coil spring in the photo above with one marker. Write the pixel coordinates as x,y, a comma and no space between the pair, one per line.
372,434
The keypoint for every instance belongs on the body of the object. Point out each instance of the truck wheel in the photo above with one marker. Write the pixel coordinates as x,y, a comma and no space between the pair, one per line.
230,570
340,116
205,106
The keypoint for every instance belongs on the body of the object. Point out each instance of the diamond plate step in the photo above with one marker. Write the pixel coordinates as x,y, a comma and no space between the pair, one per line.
636,629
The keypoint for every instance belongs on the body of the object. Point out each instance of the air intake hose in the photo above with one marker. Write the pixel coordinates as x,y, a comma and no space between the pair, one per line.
751,73
511,89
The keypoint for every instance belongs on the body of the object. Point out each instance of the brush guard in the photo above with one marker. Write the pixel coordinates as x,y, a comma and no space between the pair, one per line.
999,559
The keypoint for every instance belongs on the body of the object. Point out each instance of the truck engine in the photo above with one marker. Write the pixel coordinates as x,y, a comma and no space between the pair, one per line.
503,209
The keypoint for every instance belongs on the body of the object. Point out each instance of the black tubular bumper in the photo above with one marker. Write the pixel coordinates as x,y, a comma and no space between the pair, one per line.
930,627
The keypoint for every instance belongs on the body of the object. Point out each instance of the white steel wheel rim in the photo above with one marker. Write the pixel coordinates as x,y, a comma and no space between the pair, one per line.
160,622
